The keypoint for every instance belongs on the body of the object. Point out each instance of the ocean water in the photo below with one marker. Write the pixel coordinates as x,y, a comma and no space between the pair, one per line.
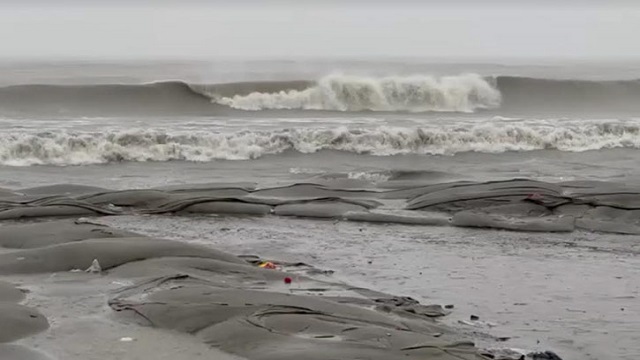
284,118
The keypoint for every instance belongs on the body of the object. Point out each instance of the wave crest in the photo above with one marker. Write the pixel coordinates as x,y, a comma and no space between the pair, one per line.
463,93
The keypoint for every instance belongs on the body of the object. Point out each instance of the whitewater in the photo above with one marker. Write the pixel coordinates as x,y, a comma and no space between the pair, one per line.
463,93
68,147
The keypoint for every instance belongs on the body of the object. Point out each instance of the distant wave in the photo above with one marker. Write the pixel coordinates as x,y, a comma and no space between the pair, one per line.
68,148
165,98
420,93
540,95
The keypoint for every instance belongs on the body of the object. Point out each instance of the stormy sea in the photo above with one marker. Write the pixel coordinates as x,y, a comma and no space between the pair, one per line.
509,192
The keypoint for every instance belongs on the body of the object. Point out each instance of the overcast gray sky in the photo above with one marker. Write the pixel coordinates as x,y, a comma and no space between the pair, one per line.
269,29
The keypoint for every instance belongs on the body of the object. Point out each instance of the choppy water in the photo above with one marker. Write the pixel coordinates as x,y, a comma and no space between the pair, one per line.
88,114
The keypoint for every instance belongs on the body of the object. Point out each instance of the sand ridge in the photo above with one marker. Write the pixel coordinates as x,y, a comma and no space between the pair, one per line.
228,302
518,204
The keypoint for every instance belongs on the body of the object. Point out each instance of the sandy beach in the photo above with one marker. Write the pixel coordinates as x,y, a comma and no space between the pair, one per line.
179,268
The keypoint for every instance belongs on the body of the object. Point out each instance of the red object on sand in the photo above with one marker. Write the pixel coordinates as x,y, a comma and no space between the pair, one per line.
287,280
534,196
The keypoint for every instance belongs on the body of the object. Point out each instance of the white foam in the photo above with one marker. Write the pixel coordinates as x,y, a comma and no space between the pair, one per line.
374,177
61,147
462,93
305,171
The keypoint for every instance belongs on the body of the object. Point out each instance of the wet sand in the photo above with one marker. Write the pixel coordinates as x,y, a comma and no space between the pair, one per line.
224,301
145,287
573,293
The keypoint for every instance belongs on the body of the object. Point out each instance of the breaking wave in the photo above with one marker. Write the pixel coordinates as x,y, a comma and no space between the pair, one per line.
464,93
419,93
76,148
